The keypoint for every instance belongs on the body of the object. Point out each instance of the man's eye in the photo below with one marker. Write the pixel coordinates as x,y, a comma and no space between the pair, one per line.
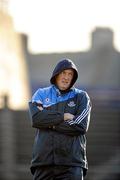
70,74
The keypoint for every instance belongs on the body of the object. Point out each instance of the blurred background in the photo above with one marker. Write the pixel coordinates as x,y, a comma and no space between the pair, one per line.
34,35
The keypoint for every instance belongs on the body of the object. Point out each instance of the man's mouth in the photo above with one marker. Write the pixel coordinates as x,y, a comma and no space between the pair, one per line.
64,82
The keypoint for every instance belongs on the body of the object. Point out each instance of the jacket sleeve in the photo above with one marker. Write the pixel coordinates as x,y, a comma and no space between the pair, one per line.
44,118
80,123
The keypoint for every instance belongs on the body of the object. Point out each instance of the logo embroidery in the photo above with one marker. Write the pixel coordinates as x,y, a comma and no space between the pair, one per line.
47,100
71,104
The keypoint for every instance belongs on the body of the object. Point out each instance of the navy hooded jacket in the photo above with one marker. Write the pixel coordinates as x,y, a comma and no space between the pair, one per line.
60,142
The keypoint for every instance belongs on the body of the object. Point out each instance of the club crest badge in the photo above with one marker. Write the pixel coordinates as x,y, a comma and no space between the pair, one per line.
47,100
71,104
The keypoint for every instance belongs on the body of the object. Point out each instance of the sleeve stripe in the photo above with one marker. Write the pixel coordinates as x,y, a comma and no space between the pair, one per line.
78,117
81,118
84,113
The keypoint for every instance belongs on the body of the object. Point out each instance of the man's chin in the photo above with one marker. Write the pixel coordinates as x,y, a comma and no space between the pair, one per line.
64,88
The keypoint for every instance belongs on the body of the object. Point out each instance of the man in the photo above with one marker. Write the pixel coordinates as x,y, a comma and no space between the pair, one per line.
61,114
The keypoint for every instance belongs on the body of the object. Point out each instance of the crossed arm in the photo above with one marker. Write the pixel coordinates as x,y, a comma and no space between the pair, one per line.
65,123
67,116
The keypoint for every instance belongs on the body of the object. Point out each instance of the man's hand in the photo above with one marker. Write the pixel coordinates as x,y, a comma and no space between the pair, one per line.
68,116
40,108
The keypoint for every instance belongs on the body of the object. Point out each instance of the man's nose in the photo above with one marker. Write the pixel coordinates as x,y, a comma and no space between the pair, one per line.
66,76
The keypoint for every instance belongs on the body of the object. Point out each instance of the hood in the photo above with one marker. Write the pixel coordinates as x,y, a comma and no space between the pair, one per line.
63,65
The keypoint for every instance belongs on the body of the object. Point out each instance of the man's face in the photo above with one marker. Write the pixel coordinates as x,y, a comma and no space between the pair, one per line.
63,80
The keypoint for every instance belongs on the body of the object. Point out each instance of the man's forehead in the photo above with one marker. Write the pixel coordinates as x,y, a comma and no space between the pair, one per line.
68,70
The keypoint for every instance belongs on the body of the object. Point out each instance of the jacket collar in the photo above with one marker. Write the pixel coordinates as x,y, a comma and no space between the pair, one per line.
60,92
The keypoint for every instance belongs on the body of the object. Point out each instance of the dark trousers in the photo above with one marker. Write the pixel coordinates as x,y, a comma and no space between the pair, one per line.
58,173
